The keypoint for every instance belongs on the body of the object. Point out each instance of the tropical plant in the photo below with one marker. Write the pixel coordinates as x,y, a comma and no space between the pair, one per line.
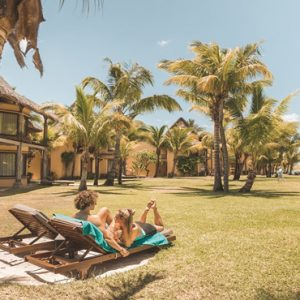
82,124
187,165
292,153
67,157
194,127
156,136
143,160
213,77
179,141
260,127
126,149
125,85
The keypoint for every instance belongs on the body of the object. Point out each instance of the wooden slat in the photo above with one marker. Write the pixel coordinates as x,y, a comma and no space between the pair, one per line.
41,259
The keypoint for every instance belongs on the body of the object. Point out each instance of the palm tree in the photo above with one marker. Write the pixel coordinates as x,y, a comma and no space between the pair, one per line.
179,141
292,154
126,149
101,140
260,127
81,123
156,136
236,147
269,155
125,85
213,77
20,20
195,128
207,143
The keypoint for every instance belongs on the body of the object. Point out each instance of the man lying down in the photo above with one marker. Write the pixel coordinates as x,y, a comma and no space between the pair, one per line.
119,231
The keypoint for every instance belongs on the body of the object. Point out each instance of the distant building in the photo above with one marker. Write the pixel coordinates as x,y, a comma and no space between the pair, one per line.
17,144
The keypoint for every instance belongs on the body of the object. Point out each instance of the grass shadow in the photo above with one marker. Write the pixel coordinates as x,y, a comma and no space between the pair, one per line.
15,191
262,294
127,287
189,191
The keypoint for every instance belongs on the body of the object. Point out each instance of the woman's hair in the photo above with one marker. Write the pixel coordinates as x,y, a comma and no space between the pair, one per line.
85,199
126,214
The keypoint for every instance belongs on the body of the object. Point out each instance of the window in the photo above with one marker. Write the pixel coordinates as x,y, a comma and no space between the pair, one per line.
8,123
7,164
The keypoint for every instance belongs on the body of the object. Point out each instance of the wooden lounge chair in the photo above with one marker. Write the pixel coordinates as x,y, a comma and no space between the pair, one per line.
67,258
37,224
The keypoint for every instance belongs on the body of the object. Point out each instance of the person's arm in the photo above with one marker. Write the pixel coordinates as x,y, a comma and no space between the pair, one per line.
111,241
129,237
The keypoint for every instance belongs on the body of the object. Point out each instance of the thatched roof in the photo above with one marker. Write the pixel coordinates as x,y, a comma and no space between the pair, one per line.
8,93
180,120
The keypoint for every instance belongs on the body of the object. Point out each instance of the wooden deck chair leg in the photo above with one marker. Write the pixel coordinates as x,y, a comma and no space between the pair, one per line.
52,258
83,273
85,253
18,232
37,238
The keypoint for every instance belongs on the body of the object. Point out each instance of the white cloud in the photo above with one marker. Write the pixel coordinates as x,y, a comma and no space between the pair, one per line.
291,118
163,43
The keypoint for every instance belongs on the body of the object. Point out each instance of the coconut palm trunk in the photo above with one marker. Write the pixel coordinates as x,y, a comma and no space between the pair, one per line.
224,152
249,183
291,169
269,170
74,160
251,176
237,166
112,173
174,165
97,163
120,171
217,166
157,163
84,165
206,162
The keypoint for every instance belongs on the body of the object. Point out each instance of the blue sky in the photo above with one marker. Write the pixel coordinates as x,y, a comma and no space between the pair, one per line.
73,44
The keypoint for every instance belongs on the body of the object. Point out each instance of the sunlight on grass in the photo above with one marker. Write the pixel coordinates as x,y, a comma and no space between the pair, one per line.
234,246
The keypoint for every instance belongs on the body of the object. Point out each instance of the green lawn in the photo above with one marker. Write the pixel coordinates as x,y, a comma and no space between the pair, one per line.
228,247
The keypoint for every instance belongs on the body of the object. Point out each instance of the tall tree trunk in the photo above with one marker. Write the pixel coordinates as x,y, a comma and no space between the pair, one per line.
206,162
157,163
211,161
125,166
84,165
97,163
112,174
249,183
174,165
224,151
120,171
291,169
217,166
74,160
237,167
269,170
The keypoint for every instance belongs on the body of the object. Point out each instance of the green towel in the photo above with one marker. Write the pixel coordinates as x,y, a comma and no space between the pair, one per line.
89,228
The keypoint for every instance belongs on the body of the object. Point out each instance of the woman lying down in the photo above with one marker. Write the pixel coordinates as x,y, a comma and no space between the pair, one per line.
120,230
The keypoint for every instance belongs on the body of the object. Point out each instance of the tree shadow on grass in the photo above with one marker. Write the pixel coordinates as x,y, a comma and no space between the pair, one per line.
127,287
262,294
73,193
188,191
22,190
